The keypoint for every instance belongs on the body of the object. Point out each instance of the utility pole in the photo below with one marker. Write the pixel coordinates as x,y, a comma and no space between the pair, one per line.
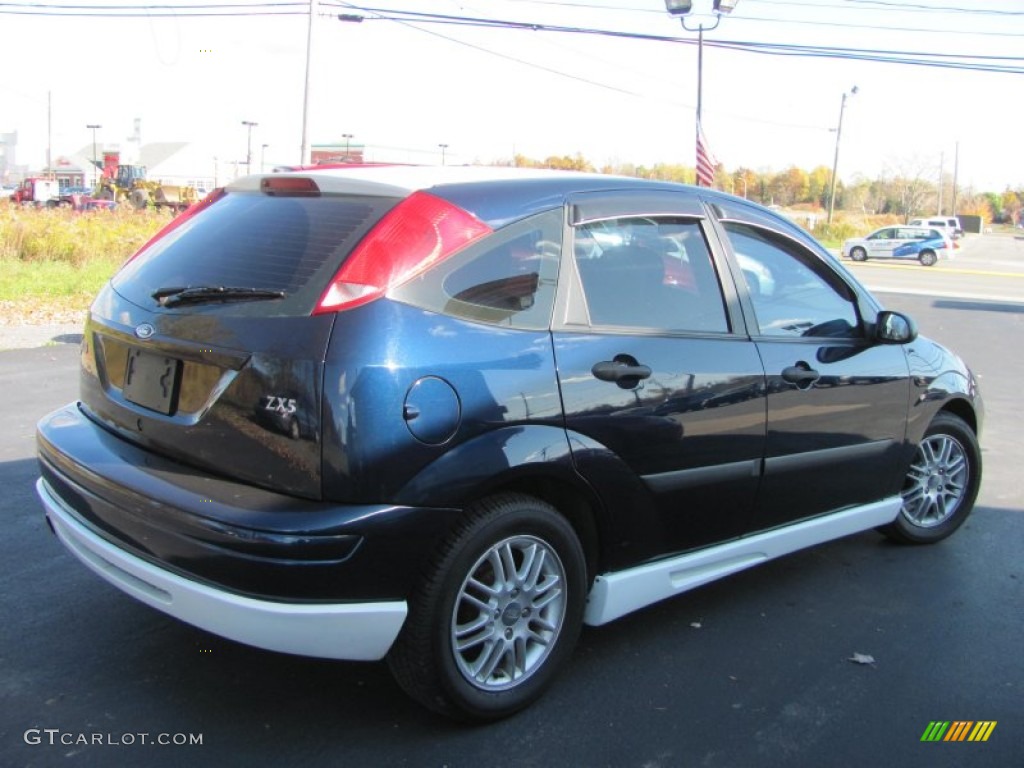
95,164
304,159
248,146
49,133
956,168
681,8
835,162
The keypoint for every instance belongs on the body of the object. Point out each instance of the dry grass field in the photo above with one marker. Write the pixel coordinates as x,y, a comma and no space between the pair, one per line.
54,260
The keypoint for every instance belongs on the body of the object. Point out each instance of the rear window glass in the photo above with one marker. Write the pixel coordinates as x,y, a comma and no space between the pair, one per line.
289,244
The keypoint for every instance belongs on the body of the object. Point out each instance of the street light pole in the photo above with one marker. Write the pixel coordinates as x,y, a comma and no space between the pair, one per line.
263,157
347,137
443,148
95,165
304,149
956,169
682,8
248,145
835,161
350,17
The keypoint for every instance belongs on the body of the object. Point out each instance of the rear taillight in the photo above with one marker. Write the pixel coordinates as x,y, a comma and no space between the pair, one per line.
182,217
419,232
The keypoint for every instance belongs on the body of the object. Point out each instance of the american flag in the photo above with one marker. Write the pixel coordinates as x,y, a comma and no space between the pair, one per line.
705,160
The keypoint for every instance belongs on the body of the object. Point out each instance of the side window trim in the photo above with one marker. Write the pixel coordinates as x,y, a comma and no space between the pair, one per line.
588,207
570,303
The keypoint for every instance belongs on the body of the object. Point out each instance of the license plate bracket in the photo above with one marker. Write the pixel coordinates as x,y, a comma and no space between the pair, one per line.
152,381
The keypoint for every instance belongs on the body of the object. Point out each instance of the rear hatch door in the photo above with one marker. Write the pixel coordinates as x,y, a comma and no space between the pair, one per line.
205,348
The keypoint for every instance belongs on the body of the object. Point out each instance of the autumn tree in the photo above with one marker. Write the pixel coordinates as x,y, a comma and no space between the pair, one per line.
566,163
789,187
906,191
819,181
977,205
745,182
910,186
670,172
1011,205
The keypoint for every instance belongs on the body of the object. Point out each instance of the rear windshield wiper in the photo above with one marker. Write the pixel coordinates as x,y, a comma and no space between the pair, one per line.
169,297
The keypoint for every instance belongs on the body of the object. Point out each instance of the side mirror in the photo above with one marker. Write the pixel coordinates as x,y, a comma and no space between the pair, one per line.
894,328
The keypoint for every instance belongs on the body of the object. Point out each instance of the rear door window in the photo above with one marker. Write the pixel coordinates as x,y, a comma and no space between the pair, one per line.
649,272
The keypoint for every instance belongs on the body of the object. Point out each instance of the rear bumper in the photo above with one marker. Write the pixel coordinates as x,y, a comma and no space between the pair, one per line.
271,570
357,631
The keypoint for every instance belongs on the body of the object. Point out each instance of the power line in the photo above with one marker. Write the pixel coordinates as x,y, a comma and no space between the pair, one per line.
878,27
777,49
972,62
740,15
71,10
932,8
176,6
506,56
849,5
975,62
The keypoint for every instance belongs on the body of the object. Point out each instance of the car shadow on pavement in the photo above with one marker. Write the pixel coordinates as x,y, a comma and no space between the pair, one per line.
68,338
978,306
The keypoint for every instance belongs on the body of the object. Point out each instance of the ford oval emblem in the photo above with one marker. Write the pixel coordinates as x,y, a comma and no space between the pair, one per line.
144,331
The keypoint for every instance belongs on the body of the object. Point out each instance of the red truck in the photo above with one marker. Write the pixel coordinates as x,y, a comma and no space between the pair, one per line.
38,191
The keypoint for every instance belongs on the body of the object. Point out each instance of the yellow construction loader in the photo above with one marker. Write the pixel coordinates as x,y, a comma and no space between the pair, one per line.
130,185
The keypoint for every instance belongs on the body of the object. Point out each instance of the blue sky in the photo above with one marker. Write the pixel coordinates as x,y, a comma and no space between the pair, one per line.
405,88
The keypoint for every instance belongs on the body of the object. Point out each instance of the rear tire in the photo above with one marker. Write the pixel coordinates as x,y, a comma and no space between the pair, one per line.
858,254
497,613
941,485
927,258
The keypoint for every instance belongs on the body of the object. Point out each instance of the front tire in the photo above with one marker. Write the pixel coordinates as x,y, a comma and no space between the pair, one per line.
497,613
941,483
858,254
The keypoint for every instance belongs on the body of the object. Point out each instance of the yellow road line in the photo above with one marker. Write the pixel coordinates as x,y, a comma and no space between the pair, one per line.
932,270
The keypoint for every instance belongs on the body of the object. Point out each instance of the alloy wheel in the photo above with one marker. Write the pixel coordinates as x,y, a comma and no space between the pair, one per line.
508,613
937,481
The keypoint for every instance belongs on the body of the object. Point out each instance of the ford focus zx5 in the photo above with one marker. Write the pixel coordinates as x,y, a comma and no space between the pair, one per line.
447,416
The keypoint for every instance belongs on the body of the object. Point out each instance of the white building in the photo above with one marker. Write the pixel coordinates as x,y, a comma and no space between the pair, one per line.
180,163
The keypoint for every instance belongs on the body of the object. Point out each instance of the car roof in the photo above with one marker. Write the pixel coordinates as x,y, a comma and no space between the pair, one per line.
500,195
497,195
401,180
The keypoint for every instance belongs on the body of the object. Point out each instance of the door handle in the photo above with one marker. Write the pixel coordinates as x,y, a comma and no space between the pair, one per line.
623,370
801,374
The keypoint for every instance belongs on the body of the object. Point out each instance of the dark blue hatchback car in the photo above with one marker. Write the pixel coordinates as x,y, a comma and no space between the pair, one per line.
448,415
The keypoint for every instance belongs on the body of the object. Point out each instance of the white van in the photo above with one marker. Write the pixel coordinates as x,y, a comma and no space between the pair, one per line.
948,224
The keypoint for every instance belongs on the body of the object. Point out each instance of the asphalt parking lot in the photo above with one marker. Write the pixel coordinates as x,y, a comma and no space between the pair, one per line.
762,669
